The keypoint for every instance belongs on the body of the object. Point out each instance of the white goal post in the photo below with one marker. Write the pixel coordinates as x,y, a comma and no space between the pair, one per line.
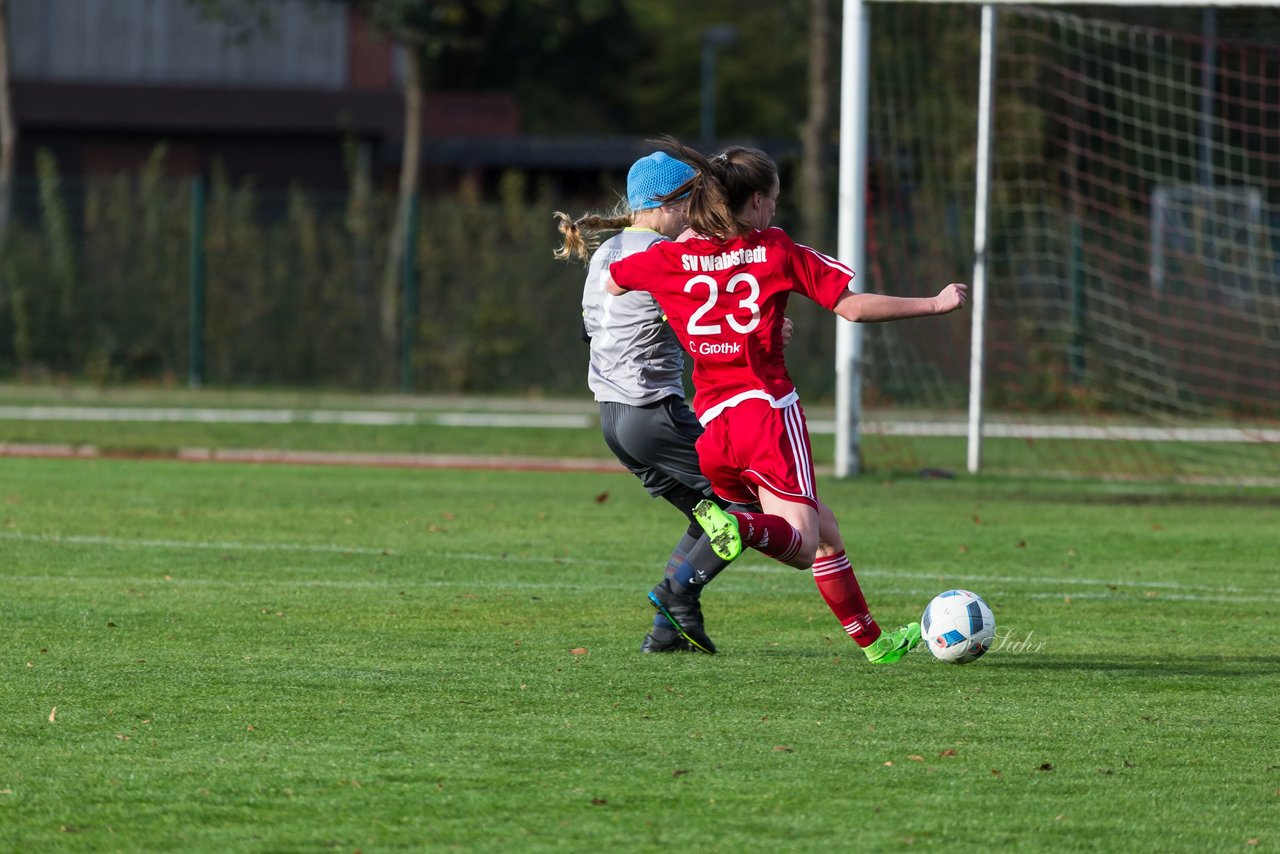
1240,210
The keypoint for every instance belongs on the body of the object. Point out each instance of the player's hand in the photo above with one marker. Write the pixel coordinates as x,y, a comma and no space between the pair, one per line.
952,297
787,328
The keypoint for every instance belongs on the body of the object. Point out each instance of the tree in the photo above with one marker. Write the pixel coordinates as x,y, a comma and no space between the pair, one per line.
814,132
8,129
446,35
417,27
547,55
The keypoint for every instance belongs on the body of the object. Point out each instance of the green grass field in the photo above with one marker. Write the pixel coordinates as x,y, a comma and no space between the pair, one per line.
279,658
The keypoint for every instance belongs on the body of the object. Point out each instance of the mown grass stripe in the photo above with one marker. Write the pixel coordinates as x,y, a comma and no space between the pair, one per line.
330,548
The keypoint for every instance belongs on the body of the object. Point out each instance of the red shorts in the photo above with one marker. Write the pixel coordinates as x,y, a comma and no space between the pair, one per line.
752,445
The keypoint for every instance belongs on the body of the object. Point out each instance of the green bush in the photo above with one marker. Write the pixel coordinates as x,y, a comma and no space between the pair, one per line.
97,286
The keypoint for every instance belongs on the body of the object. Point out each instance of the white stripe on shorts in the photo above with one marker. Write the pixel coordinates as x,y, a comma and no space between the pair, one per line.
799,449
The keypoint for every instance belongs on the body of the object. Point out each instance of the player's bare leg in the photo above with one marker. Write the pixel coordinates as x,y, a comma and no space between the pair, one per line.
803,518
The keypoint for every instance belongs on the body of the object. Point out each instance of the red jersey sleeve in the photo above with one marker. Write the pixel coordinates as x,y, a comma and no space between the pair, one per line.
820,277
636,271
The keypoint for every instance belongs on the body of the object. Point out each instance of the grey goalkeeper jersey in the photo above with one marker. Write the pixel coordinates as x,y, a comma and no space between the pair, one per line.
635,357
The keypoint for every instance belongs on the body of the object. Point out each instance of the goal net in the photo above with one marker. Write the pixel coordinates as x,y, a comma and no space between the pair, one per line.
1133,251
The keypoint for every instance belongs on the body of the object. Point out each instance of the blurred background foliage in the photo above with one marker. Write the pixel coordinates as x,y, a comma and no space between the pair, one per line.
97,276
98,287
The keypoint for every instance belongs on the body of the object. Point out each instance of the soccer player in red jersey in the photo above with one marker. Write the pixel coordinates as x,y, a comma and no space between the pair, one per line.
724,287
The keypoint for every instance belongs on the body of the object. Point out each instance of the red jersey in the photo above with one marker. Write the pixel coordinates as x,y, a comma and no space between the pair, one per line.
726,300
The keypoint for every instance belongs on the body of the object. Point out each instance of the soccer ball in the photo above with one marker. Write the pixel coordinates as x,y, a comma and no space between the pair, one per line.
958,626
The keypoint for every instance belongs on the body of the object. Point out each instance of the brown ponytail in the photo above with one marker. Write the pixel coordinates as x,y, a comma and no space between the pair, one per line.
582,235
723,186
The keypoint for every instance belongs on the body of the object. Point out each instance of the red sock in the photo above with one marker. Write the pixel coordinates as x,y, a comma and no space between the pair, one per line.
840,589
770,535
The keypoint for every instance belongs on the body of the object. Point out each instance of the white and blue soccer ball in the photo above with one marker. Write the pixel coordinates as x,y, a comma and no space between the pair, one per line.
958,626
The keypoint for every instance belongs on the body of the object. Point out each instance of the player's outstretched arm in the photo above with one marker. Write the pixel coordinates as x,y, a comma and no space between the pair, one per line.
875,308
611,286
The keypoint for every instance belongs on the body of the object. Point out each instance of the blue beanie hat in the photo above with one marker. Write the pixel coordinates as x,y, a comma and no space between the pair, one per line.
653,176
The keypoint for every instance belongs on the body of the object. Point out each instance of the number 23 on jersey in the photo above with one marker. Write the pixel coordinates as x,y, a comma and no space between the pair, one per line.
740,308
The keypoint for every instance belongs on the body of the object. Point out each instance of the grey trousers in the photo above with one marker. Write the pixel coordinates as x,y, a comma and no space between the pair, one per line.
656,443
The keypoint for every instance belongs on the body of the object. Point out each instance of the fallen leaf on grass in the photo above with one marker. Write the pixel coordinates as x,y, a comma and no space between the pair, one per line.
916,757
602,497
578,650
598,802
1048,766
950,751
783,748
53,713
888,763
679,772
995,772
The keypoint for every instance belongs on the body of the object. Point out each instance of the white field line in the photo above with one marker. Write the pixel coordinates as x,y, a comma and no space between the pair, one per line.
1162,589
362,418
121,542
1087,432
390,418
291,416
599,465
473,584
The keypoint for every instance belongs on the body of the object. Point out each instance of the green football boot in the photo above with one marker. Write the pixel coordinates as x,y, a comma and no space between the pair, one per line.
721,529
891,646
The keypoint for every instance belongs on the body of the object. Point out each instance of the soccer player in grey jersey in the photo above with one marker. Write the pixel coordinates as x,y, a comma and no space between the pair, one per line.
637,376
